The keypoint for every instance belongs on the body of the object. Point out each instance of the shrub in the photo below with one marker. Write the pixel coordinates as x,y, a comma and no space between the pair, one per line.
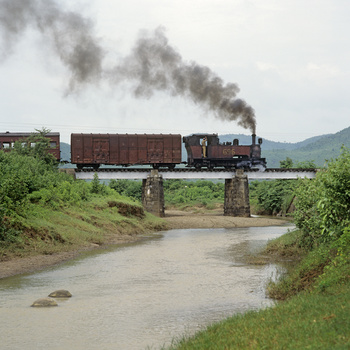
323,204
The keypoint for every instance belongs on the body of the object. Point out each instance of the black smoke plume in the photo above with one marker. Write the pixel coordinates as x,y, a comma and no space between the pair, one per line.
153,65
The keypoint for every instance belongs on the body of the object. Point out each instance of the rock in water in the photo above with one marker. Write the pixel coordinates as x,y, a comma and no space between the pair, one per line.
60,294
44,302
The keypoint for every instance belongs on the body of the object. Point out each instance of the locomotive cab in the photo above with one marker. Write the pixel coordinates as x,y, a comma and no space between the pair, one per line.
199,149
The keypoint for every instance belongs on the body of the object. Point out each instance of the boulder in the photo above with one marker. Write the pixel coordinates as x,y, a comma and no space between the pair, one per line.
60,294
44,302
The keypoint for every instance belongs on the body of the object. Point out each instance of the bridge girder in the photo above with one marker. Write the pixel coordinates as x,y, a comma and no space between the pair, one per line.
189,174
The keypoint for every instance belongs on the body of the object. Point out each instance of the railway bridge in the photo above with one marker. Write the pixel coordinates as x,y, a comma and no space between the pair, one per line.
236,183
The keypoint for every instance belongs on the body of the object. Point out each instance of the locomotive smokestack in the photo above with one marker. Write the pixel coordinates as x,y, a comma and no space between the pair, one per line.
253,139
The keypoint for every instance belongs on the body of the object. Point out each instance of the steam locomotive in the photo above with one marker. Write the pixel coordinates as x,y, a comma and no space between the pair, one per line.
156,150
160,150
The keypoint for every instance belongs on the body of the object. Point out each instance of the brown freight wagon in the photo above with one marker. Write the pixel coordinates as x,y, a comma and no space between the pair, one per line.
157,150
8,139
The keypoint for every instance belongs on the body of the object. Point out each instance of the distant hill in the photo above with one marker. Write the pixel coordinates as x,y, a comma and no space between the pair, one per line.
317,149
65,151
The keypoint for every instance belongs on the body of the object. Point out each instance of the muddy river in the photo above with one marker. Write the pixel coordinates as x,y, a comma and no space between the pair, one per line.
140,295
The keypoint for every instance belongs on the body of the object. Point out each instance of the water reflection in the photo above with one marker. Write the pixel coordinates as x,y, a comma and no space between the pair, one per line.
139,294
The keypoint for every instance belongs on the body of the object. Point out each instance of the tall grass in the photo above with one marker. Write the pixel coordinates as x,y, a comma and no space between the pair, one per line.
308,321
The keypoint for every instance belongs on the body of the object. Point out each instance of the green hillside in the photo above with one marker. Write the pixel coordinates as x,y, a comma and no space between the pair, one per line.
65,151
321,149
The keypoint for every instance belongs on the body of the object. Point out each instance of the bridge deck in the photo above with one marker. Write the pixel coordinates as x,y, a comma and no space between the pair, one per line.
184,173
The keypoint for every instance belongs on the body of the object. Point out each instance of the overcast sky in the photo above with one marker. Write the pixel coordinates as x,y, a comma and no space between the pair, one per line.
289,58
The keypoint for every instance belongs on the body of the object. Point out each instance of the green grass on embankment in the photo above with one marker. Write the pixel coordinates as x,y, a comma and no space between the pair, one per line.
307,321
97,220
315,313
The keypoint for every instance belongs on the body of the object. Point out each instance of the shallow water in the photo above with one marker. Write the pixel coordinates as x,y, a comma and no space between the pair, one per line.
141,294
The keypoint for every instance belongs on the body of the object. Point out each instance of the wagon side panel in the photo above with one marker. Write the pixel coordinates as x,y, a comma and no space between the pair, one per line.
176,149
100,148
155,149
114,150
133,149
79,149
123,149
142,149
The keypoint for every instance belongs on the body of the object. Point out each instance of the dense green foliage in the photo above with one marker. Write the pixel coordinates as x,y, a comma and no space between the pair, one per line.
183,193
275,197
28,180
323,204
271,197
128,188
41,205
322,216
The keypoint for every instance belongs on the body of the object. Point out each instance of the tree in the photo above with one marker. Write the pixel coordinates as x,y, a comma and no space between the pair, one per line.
323,204
36,145
288,163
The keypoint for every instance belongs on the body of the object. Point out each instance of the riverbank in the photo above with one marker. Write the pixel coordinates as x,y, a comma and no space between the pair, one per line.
174,219
177,219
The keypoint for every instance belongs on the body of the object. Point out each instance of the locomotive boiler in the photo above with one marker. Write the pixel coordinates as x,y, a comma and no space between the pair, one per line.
205,150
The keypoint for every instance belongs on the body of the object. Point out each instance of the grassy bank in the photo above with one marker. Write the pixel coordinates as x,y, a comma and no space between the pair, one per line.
307,321
98,220
314,313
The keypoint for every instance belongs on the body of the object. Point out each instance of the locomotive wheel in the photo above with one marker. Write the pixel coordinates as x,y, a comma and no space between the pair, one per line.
197,166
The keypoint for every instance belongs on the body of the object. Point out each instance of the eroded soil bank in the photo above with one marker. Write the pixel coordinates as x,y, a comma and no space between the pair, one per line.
175,219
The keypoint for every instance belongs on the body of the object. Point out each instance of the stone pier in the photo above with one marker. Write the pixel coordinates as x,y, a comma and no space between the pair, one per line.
237,195
153,194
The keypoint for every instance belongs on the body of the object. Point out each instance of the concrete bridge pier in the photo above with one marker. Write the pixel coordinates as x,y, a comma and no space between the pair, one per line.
237,195
153,193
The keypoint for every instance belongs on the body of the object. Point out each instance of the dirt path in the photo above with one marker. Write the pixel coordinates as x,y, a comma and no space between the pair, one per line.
175,219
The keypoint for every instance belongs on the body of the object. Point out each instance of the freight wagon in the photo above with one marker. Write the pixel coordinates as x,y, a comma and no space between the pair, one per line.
157,150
